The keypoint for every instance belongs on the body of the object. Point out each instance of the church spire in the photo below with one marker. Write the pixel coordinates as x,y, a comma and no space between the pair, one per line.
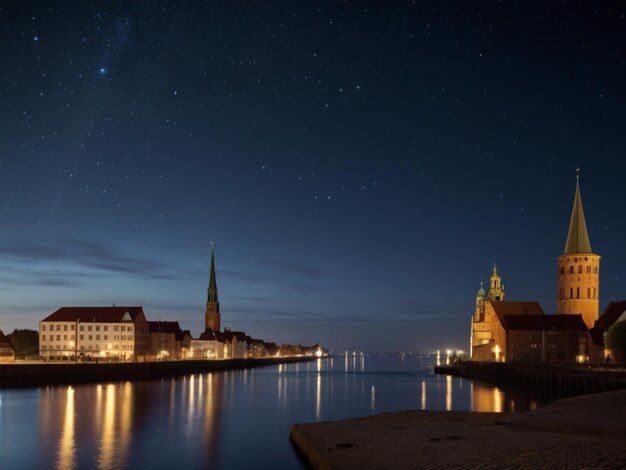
577,236
212,281
212,312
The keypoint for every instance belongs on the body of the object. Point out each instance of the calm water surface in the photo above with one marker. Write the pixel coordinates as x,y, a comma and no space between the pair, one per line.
237,419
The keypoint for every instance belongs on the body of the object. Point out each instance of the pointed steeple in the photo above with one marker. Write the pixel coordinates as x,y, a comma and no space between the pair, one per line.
212,281
577,236
212,312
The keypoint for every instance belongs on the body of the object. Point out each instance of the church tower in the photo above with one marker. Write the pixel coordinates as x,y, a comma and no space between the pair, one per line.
212,314
479,313
578,268
496,289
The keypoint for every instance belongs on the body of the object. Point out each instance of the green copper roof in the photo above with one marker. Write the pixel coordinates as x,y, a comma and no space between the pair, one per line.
577,236
481,291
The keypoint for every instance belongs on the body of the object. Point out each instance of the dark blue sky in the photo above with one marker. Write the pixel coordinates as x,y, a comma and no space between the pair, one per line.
359,166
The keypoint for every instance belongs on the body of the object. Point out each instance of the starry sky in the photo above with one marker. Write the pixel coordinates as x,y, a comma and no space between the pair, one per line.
359,166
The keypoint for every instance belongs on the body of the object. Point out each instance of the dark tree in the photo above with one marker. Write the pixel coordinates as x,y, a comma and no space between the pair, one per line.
25,342
615,339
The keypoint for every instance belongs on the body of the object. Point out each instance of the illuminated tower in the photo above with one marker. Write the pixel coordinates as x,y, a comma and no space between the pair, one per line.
479,314
578,268
496,289
212,314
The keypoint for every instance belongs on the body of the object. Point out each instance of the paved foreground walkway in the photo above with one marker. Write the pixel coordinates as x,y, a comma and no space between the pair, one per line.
588,431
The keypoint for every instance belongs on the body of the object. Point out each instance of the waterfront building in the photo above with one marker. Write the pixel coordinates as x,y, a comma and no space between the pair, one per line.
207,346
89,333
578,269
168,341
7,353
521,331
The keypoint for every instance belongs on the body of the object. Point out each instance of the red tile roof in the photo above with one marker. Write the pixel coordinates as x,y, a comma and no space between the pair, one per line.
561,322
4,341
611,314
94,314
164,327
613,311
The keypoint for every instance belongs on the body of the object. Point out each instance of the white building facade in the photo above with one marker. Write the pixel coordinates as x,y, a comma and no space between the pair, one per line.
92,333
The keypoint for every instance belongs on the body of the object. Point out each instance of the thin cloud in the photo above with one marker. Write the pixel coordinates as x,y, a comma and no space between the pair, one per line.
86,254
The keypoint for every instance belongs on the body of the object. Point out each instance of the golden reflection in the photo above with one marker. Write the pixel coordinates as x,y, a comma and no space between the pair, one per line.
209,409
99,405
67,448
107,443
191,404
498,399
485,398
423,394
532,406
318,396
448,393
125,425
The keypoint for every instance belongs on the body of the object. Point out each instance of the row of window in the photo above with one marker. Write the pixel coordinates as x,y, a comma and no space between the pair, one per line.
570,269
88,327
538,346
89,337
127,347
592,293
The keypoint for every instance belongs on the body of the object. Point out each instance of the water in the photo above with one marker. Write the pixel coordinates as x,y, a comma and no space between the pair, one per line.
235,419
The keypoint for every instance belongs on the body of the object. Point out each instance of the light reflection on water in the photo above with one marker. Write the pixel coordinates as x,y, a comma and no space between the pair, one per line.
229,419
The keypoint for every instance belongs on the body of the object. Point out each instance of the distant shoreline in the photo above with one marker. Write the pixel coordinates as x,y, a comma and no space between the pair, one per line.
570,379
56,373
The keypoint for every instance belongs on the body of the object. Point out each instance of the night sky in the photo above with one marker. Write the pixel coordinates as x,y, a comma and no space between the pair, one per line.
359,166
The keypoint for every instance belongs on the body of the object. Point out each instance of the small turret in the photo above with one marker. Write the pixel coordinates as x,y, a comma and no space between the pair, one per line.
496,289
479,314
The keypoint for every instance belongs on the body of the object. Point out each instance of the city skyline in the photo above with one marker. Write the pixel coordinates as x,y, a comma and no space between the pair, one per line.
359,169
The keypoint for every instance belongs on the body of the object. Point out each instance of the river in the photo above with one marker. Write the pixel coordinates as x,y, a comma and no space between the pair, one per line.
235,419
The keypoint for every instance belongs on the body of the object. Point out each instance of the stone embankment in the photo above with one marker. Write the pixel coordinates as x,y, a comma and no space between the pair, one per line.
582,432
563,379
36,374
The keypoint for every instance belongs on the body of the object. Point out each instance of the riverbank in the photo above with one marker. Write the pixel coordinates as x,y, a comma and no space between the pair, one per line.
37,374
565,379
581,432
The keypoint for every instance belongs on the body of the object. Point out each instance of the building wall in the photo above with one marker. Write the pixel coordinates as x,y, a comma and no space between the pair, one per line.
163,346
488,332
92,339
202,349
578,286
546,346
